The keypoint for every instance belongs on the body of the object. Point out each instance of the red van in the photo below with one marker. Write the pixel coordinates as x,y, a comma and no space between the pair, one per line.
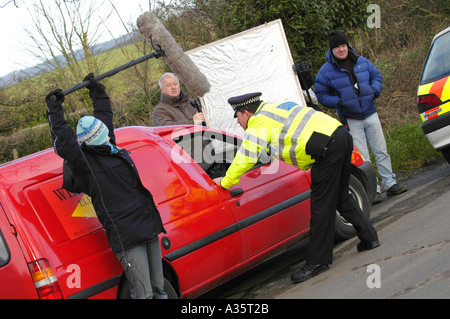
50,245
53,246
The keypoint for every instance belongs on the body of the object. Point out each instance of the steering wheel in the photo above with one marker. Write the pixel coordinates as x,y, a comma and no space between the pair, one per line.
216,168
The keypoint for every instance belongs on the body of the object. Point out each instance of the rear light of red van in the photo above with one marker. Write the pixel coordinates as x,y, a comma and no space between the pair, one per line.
357,158
44,279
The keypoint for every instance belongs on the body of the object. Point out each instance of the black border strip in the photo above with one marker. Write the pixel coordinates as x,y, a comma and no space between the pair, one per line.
183,251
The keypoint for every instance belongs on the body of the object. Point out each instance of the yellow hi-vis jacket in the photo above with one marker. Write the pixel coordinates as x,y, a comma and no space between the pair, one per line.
283,129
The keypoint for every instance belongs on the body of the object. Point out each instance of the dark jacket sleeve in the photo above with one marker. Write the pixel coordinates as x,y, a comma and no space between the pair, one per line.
103,111
376,79
164,114
64,144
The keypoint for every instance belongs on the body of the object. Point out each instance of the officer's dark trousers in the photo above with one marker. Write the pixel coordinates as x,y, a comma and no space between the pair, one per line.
330,191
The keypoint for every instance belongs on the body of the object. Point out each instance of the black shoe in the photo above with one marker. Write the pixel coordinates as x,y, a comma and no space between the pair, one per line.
307,272
363,245
395,190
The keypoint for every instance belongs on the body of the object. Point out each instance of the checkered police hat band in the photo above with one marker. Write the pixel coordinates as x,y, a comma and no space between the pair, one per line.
247,102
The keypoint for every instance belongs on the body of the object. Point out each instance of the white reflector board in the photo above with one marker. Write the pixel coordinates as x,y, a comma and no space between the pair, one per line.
256,60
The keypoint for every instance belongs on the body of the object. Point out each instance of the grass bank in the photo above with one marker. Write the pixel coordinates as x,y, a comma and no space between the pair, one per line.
408,147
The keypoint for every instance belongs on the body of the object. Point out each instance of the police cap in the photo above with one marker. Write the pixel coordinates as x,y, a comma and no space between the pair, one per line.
242,100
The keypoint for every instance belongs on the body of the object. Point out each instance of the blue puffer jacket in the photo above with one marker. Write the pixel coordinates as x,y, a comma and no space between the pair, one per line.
335,89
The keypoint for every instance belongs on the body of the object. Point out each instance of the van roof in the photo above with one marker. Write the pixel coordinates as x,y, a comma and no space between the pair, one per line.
441,33
28,167
32,167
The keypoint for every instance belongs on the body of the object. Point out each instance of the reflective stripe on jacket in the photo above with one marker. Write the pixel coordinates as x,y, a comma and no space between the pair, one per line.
283,129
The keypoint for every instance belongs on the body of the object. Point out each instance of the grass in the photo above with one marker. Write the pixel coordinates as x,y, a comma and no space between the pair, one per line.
408,147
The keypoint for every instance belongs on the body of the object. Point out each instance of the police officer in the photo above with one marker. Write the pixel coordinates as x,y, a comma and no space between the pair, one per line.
304,138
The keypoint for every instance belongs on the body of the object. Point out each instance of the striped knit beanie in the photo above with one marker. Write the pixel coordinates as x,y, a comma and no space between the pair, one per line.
92,131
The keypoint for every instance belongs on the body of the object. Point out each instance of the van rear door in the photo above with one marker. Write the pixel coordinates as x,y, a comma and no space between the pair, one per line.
14,275
73,240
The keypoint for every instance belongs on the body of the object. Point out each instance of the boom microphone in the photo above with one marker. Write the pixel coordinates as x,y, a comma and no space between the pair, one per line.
112,72
155,32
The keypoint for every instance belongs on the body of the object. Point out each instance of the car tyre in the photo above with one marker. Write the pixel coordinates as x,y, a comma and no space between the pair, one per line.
446,153
344,229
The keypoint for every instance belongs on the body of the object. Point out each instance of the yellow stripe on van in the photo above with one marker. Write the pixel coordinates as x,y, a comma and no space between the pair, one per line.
425,89
446,91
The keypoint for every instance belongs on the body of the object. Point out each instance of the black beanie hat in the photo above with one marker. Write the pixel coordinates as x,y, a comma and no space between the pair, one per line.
337,38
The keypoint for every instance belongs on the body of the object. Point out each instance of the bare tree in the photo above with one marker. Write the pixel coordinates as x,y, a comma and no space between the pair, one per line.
63,33
2,5
139,78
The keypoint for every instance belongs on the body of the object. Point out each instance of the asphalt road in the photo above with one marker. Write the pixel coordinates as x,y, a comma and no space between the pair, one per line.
413,260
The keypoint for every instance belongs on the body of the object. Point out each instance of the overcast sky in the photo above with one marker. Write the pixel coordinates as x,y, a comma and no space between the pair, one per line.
13,20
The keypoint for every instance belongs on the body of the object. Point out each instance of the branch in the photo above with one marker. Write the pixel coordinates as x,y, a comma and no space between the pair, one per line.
13,1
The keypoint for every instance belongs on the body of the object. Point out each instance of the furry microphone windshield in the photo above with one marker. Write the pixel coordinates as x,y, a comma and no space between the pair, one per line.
188,73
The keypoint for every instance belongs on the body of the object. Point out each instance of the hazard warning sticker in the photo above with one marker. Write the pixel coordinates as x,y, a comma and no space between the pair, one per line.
75,211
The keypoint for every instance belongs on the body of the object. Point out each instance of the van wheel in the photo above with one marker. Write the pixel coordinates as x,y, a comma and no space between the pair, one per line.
170,291
344,229
446,153
124,289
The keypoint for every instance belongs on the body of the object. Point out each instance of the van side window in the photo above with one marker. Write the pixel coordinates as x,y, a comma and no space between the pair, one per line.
438,64
157,174
4,252
205,147
208,148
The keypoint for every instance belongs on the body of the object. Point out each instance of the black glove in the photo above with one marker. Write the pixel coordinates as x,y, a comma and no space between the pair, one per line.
94,86
303,72
54,99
